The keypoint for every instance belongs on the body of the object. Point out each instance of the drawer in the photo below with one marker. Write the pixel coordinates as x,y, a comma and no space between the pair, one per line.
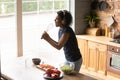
101,46
90,43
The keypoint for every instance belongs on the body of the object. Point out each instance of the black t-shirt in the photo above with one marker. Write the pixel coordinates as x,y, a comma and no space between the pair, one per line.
71,50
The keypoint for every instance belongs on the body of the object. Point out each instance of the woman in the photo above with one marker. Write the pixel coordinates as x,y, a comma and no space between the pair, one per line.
67,39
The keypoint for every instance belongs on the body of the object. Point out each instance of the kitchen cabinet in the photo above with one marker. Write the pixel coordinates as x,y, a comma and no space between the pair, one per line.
102,55
94,55
94,51
82,43
97,57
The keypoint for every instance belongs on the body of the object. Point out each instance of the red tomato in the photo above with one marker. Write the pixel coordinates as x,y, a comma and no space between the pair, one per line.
56,71
49,71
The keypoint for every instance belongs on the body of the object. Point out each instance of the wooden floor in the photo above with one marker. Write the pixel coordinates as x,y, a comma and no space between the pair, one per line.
98,77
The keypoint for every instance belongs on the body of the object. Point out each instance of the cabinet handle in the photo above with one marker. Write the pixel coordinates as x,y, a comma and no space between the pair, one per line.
117,50
110,60
112,48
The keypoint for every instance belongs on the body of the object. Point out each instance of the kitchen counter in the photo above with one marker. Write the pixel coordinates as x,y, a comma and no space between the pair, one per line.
99,39
17,69
95,54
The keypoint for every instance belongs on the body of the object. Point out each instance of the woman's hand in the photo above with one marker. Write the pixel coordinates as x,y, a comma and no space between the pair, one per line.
45,36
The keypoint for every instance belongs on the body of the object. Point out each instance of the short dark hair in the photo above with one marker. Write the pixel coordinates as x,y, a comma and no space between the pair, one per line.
65,16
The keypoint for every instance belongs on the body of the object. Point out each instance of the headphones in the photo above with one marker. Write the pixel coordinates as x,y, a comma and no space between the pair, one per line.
64,19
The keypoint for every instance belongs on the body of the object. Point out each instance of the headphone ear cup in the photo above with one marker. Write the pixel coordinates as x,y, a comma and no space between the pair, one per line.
63,22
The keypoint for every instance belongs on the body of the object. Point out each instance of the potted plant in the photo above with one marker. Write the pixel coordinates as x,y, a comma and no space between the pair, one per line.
92,18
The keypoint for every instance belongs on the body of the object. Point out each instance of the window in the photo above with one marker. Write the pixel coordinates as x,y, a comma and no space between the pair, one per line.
36,15
8,46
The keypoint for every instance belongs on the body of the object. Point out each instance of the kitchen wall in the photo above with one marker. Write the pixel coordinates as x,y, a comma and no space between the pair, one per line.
114,10
78,9
83,6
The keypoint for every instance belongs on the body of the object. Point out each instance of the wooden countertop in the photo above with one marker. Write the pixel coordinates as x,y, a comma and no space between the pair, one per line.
99,39
78,76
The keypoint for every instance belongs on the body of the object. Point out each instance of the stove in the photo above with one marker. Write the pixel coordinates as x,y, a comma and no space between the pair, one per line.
116,41
113,59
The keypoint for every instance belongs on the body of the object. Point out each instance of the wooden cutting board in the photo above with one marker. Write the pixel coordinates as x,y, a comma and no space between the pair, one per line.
93,31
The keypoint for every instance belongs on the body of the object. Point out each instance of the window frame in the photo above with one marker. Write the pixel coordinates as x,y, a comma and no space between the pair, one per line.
19,28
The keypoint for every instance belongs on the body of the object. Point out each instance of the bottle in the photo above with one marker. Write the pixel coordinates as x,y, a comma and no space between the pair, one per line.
111,33
106,30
